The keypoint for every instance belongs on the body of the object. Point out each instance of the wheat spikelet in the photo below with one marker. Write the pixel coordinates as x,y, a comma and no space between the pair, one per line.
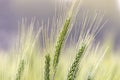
60,42
20,70
62,35
47,67
59,46
74,68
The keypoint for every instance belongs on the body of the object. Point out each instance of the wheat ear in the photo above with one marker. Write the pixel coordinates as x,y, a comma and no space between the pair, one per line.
47,67
74,68
20,70
60,42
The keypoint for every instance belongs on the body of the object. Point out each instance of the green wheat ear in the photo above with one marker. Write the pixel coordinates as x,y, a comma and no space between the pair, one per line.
60,43
20,70
74,68
47,67
61,38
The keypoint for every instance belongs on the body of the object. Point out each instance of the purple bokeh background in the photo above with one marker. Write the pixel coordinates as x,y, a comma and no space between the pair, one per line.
10,14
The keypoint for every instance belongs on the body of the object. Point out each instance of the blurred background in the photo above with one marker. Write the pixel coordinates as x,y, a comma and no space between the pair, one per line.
12,10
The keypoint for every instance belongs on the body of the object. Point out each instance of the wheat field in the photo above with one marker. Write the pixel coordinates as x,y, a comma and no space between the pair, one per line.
64,51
